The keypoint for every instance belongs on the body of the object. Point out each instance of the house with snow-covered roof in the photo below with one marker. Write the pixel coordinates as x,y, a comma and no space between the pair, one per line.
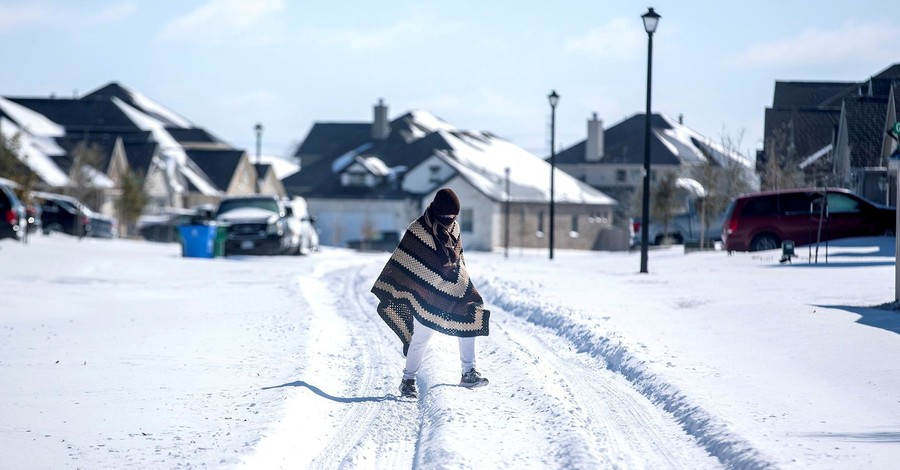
183,165
365,180
612,160
836,133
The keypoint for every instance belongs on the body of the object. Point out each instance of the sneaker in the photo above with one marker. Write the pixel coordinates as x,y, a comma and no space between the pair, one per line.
408,388
472,378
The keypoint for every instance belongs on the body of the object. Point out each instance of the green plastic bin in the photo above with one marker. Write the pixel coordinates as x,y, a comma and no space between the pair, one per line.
219,243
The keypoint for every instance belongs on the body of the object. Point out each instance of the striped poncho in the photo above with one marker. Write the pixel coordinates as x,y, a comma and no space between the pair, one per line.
417,281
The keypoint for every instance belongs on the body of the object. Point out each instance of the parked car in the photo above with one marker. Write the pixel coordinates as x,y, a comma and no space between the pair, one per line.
761,221
304,238
12,213
164,227
60,213
257,224
33,217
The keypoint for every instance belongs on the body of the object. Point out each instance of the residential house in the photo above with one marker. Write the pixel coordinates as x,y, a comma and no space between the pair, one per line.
182,164
366,180
612,160
268,181
836,133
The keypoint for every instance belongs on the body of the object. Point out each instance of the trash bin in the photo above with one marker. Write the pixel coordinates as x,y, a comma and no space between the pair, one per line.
197,240
221,237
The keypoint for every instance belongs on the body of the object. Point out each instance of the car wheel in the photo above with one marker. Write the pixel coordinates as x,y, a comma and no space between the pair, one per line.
304,248
53,228
765,241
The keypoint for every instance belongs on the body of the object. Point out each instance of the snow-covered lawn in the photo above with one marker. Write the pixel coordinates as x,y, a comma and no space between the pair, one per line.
119,353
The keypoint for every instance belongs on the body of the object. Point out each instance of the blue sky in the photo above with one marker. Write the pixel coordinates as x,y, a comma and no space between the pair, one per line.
228,64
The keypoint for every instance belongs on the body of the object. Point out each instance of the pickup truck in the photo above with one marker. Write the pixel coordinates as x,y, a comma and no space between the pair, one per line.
683,229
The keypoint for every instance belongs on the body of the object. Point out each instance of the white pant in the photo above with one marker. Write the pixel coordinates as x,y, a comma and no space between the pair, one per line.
419,343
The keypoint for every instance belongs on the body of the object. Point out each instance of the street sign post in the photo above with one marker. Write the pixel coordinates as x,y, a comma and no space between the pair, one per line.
894,164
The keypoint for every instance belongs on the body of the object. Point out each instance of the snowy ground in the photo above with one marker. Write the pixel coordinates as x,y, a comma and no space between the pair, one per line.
118,353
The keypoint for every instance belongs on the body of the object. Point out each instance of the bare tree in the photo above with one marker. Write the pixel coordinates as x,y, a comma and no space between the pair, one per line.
133,200
782,166
723,179
85,160
13,168
664,200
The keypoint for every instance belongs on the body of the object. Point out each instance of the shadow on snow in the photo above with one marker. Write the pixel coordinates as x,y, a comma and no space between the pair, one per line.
323,394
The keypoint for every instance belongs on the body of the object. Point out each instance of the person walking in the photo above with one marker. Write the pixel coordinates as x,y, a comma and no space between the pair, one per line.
425,287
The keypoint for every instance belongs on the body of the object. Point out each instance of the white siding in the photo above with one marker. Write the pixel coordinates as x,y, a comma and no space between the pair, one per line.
341,220
486,220
422,178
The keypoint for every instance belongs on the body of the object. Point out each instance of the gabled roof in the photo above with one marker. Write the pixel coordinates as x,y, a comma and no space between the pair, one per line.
194,137
140,155
892,72
218,165
671,143
810,128
328,142
480,158
865,118
810,94
139,102
262,169
78,116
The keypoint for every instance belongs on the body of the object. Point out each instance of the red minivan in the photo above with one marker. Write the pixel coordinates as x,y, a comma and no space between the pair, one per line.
760,221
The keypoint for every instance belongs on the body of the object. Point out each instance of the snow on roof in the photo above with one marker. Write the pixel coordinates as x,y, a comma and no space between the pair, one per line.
374,164
346,159
815,156
692,186
30,121
483,160
681,139
430,122
282,166
170,148
35,152
153,108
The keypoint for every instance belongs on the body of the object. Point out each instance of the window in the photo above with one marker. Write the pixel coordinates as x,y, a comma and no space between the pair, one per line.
841,203
540,224
434,174
354,179
466,220
573,230
621,176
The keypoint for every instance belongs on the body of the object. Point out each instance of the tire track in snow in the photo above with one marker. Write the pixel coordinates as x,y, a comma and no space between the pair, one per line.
710,432
377,430
619,426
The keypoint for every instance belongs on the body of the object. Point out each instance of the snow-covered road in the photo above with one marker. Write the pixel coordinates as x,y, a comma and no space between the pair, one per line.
546,407
117,353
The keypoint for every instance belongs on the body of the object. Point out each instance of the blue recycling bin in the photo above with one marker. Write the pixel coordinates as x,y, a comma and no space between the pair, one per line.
197,241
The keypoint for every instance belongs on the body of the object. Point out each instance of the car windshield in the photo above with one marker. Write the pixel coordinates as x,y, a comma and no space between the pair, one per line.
259,203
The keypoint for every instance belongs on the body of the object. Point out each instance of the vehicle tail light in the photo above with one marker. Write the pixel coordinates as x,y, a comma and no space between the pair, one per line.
11,217
636,226
85,221
732,226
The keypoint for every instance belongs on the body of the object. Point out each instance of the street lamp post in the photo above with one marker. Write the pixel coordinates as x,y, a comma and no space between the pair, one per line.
506,210
553,97
258,128
651,19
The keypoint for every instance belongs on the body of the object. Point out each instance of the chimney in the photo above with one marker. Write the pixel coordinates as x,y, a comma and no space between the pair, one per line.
380,127
593,146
